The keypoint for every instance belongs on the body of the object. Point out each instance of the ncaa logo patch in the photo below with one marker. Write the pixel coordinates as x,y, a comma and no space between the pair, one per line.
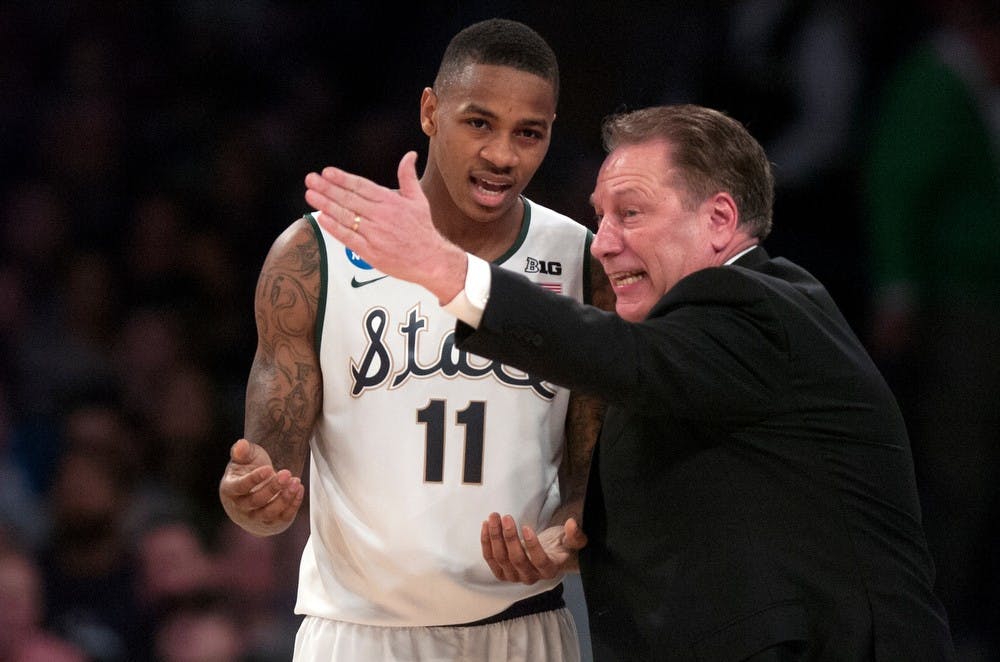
356,259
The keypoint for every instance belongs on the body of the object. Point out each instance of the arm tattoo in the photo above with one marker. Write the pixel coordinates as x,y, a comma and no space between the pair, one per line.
584,418
583,424
284,391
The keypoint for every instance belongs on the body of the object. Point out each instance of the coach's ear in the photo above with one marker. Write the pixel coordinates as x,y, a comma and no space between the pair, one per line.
723,217
428,110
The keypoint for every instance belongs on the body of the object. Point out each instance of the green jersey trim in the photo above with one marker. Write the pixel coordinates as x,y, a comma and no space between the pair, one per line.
323,280
521,236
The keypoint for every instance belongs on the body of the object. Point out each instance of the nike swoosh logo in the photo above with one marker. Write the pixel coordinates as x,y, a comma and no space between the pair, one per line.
361,283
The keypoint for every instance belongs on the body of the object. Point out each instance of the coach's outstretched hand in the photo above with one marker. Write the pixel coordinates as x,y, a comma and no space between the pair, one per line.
255,496
392,230
538,556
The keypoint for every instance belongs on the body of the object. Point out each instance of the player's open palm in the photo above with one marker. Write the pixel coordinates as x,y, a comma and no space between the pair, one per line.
529,557
258,498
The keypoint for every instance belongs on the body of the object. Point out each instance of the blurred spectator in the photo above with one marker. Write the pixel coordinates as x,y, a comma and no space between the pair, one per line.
186,423
94,424
55,323
254,573
47,358
36,224
933,177
171,564
154,247
219,339
87,565
81,132
794,72
23,637
191,598
90,304
200,628
151,343
22,513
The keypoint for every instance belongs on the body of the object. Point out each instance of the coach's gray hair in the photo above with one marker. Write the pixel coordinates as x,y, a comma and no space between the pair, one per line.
712,151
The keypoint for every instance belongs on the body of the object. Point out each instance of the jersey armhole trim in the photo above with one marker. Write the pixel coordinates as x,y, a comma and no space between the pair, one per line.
525,223
323,280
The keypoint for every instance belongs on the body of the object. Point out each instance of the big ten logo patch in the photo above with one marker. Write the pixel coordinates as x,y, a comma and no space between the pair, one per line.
534,266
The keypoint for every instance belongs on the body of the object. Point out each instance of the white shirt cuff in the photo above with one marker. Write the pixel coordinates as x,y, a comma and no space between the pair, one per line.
469,304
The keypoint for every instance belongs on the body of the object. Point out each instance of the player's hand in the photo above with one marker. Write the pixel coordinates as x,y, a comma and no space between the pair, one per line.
255,496
526,560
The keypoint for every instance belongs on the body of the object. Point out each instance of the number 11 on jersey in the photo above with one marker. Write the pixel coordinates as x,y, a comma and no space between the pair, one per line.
472,417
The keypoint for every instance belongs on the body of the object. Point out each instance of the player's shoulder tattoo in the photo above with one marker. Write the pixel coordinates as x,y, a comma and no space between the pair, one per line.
289,285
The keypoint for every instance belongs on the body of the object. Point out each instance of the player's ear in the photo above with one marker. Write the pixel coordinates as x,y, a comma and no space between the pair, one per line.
428,110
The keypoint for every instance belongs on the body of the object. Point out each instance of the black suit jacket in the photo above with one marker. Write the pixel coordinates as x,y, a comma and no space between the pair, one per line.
753,482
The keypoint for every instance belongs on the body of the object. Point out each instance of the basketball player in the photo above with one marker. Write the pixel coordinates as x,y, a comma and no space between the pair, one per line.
412,441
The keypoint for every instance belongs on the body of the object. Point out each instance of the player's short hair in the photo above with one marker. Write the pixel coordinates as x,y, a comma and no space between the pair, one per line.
500,42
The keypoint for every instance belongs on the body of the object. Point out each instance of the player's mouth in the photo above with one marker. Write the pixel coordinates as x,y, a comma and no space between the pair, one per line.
491,190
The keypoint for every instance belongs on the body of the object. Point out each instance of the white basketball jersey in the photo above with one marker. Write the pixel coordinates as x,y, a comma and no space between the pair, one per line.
418,442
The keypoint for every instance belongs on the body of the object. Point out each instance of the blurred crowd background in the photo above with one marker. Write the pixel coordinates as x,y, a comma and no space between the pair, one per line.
151,152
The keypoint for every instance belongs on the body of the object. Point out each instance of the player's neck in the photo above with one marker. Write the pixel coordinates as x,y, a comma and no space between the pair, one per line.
487,239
